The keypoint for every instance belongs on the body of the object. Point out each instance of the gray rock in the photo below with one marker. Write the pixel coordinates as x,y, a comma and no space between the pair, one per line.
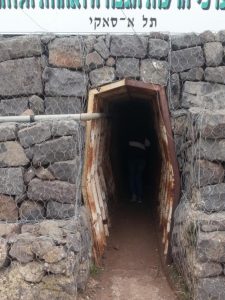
20,77
67,266
20,198
210,150
213,54
46,38
89,41
209,269
35,134
93,61
63,105
7,132
203,94
207,36
220,36
129,46
185,41
102,49
154,71
8,210
42,245
174,91
210,246
13,107
65,170
29,175
185,59
7,229
30,210
44,174
57,210
12,155
158,48
55,254
210,198
3,252
22,46
215,74
195,74
179,125
37,105
66,52
63,82
64,127
211,222
29,152
63,148
110,62
127,67
206,172
102,76
62,192
159,35
21,250
32,272
210,288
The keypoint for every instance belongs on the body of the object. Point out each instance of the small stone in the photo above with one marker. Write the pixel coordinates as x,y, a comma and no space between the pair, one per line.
55,254
94,60
3,252
207,269
30,210
42,245
44,174
213,54
158,48
8,209
215,74
210,288
65,170
220,36
185,41
174,91
13,107
56,210
29,175
9,229
207,36
102,49
11,181
36,105
154,71
63,105
67,266
7,132
110,62
64,127
194,74
21,249
206,172
12,155
32,272
102,76
127,67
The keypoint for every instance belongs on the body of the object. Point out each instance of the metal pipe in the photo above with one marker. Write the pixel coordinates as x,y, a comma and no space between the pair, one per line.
33,118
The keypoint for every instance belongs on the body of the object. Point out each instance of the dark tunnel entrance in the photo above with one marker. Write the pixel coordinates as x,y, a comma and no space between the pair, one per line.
131,107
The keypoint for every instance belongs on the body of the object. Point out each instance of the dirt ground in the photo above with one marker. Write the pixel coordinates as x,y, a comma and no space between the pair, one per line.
132,267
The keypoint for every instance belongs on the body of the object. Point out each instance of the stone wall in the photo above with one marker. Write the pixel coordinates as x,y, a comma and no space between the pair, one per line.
41,212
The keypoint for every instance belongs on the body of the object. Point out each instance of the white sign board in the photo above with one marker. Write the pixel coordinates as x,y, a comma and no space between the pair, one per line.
113,16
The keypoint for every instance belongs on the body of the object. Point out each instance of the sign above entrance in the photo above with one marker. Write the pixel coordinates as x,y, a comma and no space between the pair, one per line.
111,16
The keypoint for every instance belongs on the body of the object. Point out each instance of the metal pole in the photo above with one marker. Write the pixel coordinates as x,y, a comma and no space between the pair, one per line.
33,118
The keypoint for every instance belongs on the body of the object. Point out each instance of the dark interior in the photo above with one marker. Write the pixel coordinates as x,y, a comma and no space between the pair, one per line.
130,116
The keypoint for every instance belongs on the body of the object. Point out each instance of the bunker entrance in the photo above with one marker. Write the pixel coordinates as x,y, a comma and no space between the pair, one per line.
131,106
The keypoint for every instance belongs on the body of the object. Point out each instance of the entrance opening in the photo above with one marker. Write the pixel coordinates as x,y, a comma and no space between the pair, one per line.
132,107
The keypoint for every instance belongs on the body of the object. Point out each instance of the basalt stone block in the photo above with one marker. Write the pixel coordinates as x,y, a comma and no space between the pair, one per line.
63,105
220,36
65,170
210,246
195,74
174,91
13,107
209,269
21,249
64,127
210,198
21,77
89,42
62,192
63,148
102,49
56,210
18,47
66,52
158,48
211,222
210,149
127,67
35,134
207,36
8,209
30,210
154,71
203,94
185,41
12,155
94,60
11,181
207,172
129,46
213,53
37,105
215,74
185,59
63,82
32,272
44,174
7,132
102,76
210,288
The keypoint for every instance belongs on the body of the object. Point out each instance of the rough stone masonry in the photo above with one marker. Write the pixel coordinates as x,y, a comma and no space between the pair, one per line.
45,244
